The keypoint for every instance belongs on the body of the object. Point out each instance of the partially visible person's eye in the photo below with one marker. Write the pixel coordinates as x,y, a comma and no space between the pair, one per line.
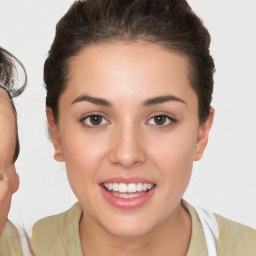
94,121
161,120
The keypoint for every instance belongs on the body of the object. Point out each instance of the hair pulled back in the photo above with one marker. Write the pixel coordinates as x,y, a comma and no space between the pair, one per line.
170,23
8,72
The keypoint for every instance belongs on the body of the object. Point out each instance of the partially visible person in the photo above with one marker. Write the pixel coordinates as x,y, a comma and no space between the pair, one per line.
9,150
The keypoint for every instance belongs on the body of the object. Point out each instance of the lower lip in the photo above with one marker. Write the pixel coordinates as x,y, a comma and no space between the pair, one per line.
127,203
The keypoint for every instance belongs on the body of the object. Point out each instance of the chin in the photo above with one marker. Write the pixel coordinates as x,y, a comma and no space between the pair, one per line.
128,227
126,232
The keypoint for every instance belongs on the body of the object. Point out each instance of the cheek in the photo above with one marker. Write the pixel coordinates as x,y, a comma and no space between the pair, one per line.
84,156
173,157
175,150
81,166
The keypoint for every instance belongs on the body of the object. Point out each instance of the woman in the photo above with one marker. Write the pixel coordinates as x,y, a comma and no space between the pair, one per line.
129,87
9,150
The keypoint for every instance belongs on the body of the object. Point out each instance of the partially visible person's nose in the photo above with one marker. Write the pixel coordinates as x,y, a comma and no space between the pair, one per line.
126,147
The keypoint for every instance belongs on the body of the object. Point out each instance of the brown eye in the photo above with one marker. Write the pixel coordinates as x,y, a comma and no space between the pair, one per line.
94,120
161,120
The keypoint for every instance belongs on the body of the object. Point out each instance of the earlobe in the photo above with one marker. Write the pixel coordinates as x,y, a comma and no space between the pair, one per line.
16,183
58,156
203,135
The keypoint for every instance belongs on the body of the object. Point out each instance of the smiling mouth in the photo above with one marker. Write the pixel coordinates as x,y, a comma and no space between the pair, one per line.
130,190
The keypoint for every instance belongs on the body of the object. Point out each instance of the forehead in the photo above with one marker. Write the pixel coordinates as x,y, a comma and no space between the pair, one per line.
4,92
119,69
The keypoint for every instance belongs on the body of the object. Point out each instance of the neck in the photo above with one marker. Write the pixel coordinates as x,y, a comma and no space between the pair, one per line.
171,236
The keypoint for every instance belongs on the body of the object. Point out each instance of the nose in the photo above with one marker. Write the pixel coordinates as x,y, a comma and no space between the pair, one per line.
127,148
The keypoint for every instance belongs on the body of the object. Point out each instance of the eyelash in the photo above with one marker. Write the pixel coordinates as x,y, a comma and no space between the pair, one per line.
171,121
83,120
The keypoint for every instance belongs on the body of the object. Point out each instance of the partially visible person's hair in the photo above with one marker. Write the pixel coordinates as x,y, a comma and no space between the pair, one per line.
170,23
8,82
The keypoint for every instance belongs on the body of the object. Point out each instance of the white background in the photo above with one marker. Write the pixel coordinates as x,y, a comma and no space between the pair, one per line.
223,181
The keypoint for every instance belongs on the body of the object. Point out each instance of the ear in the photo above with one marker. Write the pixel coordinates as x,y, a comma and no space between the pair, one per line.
203,134
14,180
54,130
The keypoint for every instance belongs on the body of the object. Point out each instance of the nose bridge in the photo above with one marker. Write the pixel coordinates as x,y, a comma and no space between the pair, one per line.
126,147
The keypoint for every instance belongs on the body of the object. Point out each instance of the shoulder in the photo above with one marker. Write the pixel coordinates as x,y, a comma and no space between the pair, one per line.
51,234
235,238
9,230
10,241
52,223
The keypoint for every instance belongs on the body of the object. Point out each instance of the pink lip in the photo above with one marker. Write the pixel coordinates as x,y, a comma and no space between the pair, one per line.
127,180
127,203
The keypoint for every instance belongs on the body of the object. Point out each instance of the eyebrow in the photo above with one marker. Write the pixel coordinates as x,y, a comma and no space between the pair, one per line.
162,99
94,100
105,103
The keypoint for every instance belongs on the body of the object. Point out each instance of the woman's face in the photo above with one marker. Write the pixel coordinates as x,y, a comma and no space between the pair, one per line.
127,118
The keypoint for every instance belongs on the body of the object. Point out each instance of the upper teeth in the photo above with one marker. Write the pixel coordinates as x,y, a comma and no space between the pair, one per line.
130,188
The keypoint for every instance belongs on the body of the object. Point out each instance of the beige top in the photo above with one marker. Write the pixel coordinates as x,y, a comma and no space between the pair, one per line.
234,239
9,241
59,235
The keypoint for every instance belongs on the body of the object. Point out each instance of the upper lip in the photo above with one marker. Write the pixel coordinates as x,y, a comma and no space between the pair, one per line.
127,180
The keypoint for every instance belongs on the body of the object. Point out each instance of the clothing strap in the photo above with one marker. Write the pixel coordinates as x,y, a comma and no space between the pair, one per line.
210,228
24,241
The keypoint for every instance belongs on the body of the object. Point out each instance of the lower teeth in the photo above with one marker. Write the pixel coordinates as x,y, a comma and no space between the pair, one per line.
127,195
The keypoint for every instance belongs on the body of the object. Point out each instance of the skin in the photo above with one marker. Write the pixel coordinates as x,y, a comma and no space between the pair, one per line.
130,143
9,179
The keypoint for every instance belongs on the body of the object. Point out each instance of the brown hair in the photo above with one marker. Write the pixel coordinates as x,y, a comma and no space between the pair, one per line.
8,82
170,23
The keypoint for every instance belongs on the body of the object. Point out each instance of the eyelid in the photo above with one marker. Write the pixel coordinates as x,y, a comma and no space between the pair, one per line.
94,113
172,120
88,115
